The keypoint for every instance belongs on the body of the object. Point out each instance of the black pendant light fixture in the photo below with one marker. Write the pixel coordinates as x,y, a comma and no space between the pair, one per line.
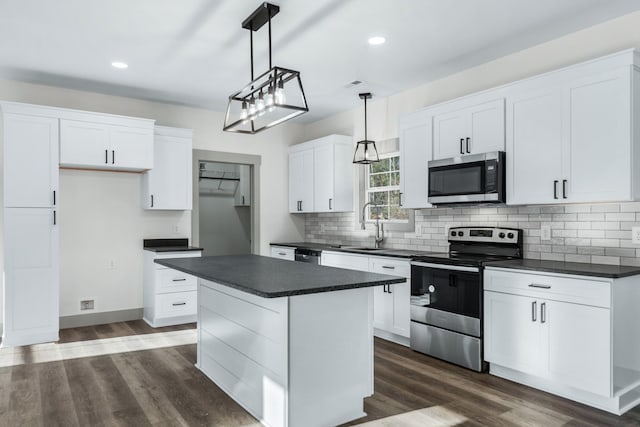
366,151
273,97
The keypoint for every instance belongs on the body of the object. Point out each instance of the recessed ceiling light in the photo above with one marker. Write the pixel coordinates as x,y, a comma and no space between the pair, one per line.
377,40
118,64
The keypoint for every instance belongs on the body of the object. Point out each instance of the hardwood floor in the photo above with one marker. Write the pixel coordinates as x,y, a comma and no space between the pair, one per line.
161,387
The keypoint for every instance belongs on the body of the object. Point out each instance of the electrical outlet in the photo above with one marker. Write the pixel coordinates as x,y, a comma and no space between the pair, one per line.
176,229
545,232
635,235
112,264
86,304
321,228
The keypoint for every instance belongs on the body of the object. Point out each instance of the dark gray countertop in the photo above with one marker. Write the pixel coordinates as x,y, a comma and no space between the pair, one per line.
168,245
577,268
271,277
398,253
174,249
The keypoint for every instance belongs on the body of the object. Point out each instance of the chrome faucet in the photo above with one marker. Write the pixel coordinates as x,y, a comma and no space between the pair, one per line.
379,238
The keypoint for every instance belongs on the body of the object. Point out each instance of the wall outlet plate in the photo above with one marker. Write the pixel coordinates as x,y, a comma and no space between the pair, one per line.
635,235
87,304
321,228
545,232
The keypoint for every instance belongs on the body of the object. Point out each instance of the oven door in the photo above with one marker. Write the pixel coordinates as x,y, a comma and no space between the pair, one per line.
455,296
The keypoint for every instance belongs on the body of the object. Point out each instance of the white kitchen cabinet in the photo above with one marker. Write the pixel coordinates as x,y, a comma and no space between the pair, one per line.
321,175
31,276
168,186
415,133
283,252
570,134
301,181
243,192
169,296
100,144
469,129
566,334
391,303
30,161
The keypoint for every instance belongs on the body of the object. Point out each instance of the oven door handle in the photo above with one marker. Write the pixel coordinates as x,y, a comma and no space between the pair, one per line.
446,266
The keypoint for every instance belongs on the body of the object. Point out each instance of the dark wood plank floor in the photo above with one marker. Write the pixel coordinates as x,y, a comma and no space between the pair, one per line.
161,387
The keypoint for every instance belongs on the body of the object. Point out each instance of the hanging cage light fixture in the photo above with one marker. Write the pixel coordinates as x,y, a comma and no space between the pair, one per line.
366,151
273,97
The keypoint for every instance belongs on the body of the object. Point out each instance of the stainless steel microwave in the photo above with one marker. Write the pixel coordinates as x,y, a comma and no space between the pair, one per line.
477,178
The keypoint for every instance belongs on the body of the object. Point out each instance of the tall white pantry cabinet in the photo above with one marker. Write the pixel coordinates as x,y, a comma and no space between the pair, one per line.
30,227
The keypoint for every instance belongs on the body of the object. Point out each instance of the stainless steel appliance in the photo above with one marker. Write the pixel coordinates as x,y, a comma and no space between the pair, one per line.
477,178
446,293
308,255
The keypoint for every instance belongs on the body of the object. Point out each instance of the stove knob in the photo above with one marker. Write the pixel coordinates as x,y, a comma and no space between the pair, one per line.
432,288
460,233
510,235
501,235
453,233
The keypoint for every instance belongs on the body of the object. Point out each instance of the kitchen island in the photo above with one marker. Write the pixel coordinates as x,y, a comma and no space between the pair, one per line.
290,342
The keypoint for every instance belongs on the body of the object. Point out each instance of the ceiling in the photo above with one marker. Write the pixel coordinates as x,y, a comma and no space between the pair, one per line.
194,52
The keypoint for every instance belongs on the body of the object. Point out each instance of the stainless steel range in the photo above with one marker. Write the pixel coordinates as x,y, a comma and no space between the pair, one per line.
446,293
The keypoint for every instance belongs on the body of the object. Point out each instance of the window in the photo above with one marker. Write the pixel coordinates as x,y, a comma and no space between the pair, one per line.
383,190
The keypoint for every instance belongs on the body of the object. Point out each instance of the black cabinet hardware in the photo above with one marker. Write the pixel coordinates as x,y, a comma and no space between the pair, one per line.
400,199
179,280
534,309
243,200
178,303
113,157
461,144
555,189
543,312
468,151
106,156
330,200
152,200
389,267
54,197
539,286
54,218
564,188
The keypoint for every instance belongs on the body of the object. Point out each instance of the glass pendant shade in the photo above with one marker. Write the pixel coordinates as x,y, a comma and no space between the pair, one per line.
366,153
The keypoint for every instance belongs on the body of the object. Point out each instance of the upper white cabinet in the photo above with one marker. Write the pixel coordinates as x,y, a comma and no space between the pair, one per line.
30,161
168,186
106,142
415,132
243,192
321,175
570,134
468,128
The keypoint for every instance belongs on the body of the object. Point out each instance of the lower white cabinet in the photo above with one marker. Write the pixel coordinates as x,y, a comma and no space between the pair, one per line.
31,276
391,303
569,335
283,252
170,296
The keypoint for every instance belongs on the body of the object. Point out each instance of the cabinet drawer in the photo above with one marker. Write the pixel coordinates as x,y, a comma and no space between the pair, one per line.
340,260
393,267
177,304
283,253
170,280
579,290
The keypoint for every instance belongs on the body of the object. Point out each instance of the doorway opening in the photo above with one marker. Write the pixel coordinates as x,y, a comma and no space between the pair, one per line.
225,203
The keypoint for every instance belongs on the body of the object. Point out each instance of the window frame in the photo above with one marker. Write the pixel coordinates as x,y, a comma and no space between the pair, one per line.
389,188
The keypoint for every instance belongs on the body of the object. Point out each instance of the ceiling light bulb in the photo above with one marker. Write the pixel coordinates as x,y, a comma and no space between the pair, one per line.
268,98
244,113
120,65
376,40
260,102
280,97
252,107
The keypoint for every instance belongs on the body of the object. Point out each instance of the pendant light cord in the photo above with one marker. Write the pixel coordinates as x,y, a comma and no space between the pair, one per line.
365,121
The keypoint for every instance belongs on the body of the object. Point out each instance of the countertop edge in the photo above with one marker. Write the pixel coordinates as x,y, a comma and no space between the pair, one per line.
567,271
285,293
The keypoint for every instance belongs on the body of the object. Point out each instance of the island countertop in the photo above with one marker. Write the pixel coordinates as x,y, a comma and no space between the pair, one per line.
271,277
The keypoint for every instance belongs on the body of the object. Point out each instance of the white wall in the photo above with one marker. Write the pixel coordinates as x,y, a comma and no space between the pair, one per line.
100,215
599,40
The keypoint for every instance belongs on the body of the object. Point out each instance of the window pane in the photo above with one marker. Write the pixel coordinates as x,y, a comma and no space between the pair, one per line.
381,166
394,198
379,180
395,163
394,178
379,198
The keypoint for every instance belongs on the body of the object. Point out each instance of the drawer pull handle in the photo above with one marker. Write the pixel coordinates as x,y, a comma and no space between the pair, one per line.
539,286
390,267
178,303
179,280
281,253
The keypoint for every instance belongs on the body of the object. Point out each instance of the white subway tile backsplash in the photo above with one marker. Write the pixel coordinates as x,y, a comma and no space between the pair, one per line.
598,233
